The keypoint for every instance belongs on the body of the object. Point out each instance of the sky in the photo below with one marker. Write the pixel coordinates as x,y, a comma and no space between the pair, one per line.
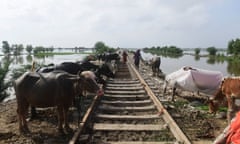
120,23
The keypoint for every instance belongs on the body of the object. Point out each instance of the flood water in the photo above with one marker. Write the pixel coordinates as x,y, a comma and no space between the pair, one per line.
168,65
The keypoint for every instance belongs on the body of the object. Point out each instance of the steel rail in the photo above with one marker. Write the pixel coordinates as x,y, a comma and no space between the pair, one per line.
177,132
85,120
174,128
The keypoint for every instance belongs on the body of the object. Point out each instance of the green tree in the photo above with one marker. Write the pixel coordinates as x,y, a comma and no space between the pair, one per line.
197,51
29,49
38,49
51,49
17,49
100,47
230,47
5,47
234,47
4,67
212,51
171,51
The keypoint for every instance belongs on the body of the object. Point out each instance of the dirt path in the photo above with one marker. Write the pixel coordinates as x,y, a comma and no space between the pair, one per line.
43,129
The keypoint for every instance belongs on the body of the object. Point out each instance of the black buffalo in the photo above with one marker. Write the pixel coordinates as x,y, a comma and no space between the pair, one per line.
155,63
108,57
75,68
56,88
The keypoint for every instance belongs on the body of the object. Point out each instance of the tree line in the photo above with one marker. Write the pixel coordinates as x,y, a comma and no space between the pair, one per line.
232,49
165,50
17,49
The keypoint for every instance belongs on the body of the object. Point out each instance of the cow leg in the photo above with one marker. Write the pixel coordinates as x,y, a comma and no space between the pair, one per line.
22,111
165,87
65,115
153,71
60,120
33,113
20,120
174,93
198,93
231,108
25,114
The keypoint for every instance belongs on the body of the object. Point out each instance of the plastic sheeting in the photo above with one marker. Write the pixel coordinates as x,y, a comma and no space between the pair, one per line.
194,79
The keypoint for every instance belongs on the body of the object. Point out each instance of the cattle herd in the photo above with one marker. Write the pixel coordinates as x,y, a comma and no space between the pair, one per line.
57,86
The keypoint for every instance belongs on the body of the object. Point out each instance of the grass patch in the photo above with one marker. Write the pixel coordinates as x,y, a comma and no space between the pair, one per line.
206,108
180,103
223,109
203,107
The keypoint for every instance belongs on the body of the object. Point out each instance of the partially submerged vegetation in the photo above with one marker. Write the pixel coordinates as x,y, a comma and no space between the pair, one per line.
171,51
14,52
4,67
19,71
231,55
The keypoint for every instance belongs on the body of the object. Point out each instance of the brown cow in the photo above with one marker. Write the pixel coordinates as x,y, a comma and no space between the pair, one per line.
51,89
230,90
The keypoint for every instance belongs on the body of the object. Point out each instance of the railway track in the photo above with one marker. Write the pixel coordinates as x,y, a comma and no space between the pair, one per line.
128,113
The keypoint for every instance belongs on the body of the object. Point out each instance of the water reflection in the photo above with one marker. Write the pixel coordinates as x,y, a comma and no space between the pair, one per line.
233,68
211,60
21,62
29,58
197,57
167,55
170,64
5,59
172,55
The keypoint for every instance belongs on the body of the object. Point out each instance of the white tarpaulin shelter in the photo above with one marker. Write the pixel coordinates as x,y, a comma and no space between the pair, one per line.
194,79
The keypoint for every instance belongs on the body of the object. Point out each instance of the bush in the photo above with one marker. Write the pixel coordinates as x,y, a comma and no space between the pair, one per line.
212,51
197,51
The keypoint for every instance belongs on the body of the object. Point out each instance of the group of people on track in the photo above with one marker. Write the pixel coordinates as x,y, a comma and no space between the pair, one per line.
137,57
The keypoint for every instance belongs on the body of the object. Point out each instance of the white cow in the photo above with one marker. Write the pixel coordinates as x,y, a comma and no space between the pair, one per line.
194,79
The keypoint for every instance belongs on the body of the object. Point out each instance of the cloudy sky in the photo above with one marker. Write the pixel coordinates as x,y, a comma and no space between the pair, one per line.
120,23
